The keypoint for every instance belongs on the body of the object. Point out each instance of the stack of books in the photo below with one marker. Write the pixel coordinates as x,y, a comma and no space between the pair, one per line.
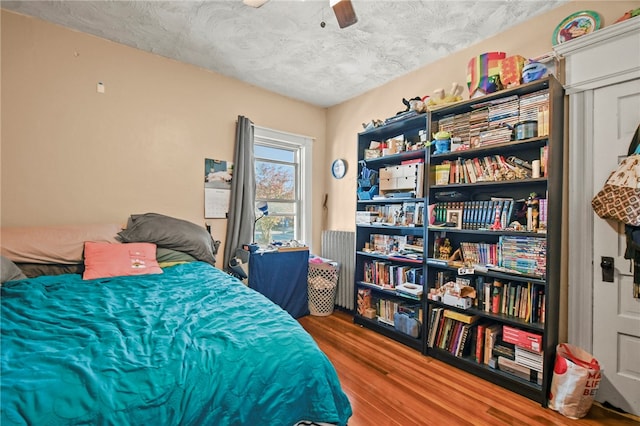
457,125
527,255
535,107
478,123
504,111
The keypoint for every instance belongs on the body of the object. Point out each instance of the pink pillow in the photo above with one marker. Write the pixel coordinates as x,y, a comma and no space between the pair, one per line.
119,259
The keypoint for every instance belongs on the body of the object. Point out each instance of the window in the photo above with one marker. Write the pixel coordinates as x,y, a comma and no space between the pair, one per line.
283,181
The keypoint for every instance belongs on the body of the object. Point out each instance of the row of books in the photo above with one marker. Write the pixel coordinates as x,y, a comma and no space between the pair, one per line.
476,214
450,330
521,255
386,310
463,335
521,300
466,336
490,168
479,253
387,275
399,214
494,114
527,255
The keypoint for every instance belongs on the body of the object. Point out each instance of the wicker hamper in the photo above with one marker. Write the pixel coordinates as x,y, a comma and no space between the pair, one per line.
322,284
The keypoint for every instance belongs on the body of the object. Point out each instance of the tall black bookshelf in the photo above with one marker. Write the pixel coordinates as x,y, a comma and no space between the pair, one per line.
371,286
500,223
477,215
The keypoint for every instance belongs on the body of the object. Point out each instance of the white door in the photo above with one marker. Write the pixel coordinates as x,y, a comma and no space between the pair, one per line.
616,314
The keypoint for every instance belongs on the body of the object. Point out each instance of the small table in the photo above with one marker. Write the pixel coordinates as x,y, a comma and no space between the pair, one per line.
282,277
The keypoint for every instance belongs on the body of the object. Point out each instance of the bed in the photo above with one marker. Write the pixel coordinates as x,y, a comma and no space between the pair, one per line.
186,345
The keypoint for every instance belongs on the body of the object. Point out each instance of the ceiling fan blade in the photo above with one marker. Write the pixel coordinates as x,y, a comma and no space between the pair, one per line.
344,12
254,3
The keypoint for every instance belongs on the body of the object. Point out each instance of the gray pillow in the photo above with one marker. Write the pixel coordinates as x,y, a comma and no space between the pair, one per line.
167,255
169,232
9,270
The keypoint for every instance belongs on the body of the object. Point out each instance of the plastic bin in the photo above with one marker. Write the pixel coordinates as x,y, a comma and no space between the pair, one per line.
322,285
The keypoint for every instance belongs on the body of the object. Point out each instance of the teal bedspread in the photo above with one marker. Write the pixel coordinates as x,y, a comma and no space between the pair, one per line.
192,346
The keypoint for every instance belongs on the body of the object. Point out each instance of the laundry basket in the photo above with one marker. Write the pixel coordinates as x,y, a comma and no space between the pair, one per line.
322,284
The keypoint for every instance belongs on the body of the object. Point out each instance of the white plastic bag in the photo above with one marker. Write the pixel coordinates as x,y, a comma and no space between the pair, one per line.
576,377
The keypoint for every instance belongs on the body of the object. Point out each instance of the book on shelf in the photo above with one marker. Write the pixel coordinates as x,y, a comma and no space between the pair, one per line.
461,317
520,371
442,172
504,349
479,300
452,336
479,347
434,325
530,359
491,335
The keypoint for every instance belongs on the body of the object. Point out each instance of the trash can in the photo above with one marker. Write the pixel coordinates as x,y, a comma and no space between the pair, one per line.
322,285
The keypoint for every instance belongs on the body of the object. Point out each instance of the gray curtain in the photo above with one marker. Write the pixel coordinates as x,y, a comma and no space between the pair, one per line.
243,192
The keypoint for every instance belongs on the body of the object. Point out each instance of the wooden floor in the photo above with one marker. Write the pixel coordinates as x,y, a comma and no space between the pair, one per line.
390,384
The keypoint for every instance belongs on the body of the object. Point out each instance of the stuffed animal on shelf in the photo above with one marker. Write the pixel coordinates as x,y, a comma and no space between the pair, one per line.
414,104
442,140
440,98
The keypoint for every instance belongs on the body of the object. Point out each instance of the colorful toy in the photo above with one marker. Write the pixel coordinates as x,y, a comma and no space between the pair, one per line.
414,104
628,15
533,71
442,140
483,74
511,70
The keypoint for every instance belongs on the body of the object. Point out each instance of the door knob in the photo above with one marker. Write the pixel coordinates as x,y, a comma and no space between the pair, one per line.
607,265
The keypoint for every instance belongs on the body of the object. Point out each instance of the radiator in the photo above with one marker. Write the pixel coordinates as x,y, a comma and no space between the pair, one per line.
340,246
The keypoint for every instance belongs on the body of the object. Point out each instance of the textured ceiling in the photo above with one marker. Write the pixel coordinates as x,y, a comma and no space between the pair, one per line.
282,47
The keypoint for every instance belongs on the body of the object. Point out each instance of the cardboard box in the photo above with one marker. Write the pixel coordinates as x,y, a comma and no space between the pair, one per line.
458,302
524,339
370,313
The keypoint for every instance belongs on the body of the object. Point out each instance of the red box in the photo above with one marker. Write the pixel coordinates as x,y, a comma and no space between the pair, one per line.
524,339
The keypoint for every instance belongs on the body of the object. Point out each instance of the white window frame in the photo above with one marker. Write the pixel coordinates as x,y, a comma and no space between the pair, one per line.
275,138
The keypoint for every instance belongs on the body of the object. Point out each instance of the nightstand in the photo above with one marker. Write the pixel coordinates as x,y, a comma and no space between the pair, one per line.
282,277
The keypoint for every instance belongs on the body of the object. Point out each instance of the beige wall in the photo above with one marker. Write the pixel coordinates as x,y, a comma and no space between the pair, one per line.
530,39
72,155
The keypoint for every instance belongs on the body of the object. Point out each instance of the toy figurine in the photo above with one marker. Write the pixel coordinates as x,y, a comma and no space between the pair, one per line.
533,71
442,140
533,212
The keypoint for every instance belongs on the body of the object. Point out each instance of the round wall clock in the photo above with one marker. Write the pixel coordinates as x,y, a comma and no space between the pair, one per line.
339,168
